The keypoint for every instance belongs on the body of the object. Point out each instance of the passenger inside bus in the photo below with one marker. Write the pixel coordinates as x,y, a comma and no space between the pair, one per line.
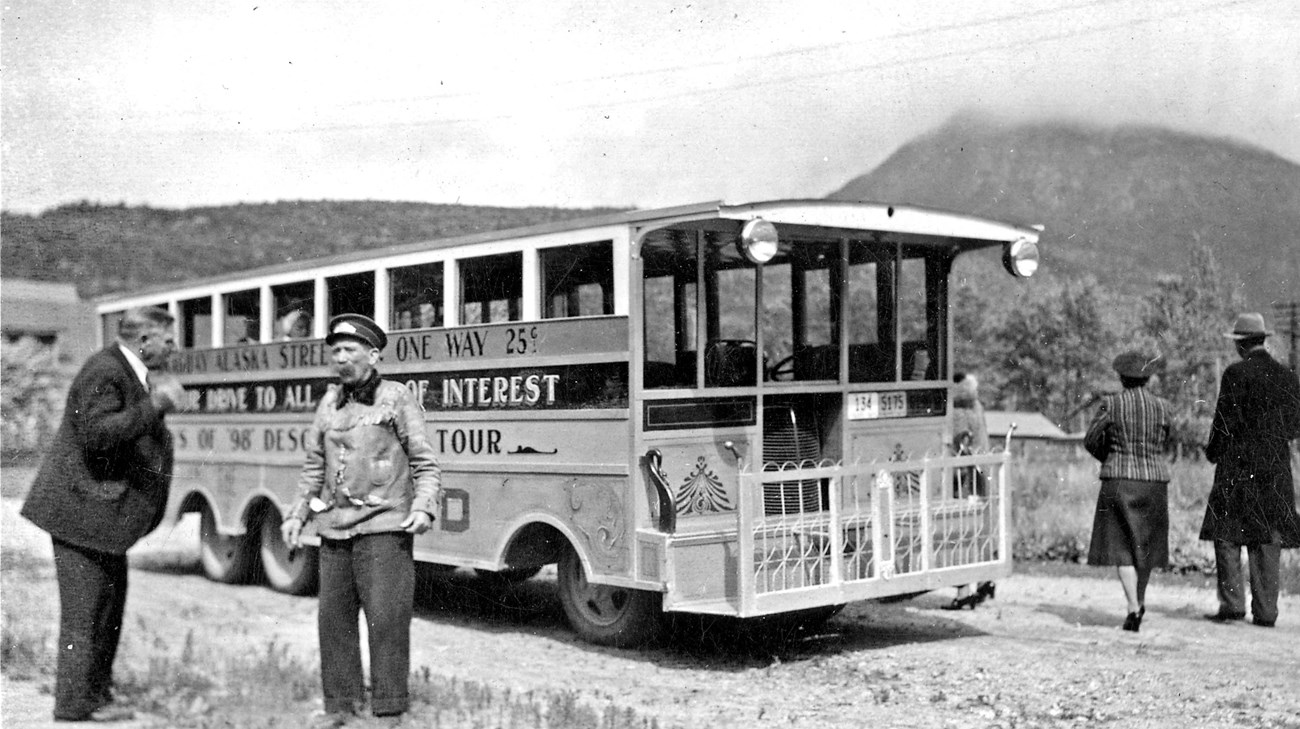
295,325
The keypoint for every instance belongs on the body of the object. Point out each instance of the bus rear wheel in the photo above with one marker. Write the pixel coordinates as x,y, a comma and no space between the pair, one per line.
606,614
293,572
224,558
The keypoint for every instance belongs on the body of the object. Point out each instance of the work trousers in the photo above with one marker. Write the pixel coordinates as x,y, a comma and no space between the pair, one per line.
373,573
92,598
1265,561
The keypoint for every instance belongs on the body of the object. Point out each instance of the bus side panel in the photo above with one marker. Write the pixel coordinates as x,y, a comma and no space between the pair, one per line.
484,508
498,475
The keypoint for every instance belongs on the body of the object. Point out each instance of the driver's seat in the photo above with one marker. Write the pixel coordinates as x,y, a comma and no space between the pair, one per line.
730,363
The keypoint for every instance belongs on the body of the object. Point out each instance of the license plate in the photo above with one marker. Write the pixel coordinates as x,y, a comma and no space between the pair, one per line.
873,405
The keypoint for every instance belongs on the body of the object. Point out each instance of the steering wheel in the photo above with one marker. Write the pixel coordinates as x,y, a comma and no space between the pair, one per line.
782,370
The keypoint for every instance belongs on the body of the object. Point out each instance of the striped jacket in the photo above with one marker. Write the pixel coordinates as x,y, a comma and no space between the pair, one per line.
1130,435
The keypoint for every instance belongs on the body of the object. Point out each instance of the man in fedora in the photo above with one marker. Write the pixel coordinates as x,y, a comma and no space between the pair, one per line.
370,481
1252,503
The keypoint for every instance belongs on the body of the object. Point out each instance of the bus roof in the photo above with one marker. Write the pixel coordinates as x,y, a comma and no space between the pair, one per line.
964,231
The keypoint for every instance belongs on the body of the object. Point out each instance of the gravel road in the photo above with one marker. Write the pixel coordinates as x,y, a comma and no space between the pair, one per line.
1047,651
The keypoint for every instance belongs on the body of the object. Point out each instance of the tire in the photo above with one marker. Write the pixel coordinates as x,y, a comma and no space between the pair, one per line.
293,572
605,614
224,558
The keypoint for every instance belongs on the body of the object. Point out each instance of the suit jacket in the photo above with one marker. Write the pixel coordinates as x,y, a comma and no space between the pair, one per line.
103,484
1257,415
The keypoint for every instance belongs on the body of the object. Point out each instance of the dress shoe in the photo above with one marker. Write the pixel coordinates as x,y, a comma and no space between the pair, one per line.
108,713
987,590
1224,616
1133,621
332,720
1263,623
970,601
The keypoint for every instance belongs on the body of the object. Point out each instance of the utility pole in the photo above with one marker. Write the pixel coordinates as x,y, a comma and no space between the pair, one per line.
1286,314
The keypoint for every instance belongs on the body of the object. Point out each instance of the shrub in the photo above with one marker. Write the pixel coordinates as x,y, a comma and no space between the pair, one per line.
33,388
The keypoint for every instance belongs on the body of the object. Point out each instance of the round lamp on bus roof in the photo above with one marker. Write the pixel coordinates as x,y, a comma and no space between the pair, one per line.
1020,258
757,241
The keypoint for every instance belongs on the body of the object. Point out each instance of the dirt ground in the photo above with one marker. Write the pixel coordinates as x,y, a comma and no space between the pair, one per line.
1047,651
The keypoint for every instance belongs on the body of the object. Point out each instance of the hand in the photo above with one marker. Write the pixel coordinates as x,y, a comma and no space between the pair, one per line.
417,522
291,532
166,392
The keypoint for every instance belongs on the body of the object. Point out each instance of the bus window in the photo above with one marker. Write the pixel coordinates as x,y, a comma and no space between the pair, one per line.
578,280
416,296
731,354
242,317
870,313
920,313
110,322
669,308
294,304
491,288
801,311
196,323
351,294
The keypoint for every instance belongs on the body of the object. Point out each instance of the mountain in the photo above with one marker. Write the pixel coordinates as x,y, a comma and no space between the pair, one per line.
103,249
1122,203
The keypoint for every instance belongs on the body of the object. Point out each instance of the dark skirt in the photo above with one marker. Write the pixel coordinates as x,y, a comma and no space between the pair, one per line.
1131,525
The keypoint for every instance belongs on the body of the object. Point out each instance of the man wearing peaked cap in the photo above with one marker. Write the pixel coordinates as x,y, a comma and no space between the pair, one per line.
1252,502
369,490
359,327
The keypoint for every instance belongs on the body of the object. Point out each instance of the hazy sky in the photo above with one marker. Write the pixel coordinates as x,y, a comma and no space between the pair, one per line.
576,104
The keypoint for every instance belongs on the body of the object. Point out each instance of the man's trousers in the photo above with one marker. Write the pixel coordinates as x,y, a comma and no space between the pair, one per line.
1265,563
92,597
374,573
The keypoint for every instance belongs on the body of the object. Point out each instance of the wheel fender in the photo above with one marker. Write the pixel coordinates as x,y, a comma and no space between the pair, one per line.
514,528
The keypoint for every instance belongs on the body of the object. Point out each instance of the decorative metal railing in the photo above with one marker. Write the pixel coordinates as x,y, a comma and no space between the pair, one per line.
874,525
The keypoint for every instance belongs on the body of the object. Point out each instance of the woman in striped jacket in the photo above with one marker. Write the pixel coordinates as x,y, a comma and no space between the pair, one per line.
1130,436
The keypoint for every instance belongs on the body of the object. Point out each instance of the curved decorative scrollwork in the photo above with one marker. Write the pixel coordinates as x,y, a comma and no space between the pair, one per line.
662,503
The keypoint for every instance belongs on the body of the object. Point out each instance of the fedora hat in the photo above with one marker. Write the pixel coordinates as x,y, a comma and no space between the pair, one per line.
1136,364
1249,324
358,327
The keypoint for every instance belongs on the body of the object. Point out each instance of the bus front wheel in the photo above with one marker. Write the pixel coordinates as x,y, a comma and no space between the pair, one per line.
293,572
224,558
606,614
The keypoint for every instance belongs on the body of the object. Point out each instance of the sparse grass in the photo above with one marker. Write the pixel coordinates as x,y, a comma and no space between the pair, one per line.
1053,504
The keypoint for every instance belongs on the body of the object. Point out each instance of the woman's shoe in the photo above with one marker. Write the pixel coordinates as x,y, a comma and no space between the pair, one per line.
1133,622
970,601
986,590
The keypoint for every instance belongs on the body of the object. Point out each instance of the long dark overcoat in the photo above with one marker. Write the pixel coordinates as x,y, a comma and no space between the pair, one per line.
103,484
1257,415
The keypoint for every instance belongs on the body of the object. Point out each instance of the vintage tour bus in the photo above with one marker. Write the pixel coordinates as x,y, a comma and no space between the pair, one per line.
739,410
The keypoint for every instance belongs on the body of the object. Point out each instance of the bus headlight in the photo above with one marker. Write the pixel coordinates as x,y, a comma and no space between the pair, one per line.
1020,258
758,241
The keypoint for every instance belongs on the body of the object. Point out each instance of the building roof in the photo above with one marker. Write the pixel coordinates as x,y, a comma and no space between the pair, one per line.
1028,425
43,291
45,309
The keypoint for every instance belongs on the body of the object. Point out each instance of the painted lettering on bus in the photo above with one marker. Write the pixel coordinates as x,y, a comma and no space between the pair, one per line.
414,347
304,354
475,441
242,360
466,344
498,390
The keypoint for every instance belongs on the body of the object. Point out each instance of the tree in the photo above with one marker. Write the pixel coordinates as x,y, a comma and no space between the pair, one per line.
1054,349
1184,318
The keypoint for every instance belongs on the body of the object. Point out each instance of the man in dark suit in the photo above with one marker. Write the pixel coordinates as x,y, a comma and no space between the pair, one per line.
103,486
1252,503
